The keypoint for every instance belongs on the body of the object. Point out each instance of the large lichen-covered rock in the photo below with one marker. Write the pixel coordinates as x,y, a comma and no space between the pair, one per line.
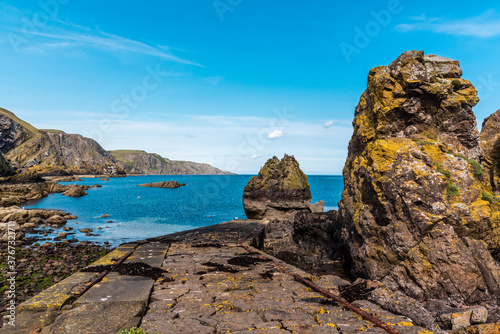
417,208
280,189
490,143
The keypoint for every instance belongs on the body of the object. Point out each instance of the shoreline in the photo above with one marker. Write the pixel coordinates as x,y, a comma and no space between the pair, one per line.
38,267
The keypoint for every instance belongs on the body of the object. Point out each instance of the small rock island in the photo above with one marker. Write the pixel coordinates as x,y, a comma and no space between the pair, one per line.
163,184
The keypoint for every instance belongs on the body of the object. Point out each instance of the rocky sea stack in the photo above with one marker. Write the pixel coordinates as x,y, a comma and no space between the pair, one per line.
417,211
280,189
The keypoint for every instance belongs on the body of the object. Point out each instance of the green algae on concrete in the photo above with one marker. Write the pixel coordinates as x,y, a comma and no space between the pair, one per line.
57,295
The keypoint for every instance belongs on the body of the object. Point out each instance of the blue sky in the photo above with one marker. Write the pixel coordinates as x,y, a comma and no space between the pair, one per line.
227,82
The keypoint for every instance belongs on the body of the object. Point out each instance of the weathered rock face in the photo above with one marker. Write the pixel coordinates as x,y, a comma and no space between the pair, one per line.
12,132
417,209
280,189
306,240
164,184
23,176
5,169
490,143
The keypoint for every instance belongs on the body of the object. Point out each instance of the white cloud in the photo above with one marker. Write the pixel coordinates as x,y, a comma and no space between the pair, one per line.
328,124
483,26
275,134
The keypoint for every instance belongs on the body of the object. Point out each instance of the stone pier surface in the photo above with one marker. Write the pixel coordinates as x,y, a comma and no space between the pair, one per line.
210,284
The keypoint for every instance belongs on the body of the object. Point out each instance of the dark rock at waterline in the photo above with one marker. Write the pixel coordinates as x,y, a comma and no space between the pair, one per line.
280,189
85,230
163,184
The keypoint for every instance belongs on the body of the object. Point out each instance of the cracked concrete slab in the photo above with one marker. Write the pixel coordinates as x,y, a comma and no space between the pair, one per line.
118,288
211,285
234,293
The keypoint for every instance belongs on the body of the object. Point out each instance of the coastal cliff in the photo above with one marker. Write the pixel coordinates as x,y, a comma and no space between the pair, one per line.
141,162
417,211
52,152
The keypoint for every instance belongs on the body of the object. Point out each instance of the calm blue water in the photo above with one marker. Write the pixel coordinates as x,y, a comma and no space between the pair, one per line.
139,212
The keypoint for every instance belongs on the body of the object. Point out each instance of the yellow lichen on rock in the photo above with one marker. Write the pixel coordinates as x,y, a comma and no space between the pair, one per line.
413,183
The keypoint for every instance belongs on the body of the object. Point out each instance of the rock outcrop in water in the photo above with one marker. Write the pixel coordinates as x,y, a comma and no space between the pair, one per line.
417,211
75,191
164,184
280,189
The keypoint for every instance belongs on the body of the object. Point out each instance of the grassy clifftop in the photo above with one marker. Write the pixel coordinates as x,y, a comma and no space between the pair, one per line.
50,151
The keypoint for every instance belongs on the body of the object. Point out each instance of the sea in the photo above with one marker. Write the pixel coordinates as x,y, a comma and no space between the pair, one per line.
135,213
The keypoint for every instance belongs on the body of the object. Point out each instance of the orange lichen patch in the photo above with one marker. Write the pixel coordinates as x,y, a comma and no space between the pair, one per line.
479,329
